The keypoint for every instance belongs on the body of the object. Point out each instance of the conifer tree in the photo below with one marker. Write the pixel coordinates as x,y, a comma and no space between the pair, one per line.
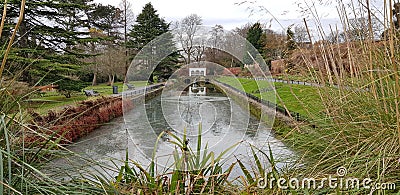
45,50
254,36
290,43
149,26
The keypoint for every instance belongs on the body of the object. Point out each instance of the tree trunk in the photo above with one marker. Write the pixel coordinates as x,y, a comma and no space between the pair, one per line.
109,79
23,41
94,81
126,40
151,79
126,65
189,53
112,80
96,68
67,94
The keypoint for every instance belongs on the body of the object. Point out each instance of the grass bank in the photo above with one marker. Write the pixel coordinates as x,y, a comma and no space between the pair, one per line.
358,132
298,98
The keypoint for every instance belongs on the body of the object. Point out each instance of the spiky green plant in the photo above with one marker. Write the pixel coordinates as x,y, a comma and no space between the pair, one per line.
192,171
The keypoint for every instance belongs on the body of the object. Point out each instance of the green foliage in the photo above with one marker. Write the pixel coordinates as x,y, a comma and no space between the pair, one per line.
67,86
194,171
290,43
149,26
25,150
45,47
106,18
254,37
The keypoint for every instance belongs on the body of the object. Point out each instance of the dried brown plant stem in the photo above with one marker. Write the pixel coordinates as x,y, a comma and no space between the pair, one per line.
370,42
321,80
10,43
3,18
395,68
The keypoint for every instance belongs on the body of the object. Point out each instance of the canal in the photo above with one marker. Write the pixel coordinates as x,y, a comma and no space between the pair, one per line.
224,124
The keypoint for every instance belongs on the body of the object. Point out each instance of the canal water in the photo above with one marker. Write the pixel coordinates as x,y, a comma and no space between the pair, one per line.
223,124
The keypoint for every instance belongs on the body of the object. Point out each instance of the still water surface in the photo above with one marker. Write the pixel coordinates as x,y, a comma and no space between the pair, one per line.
224,124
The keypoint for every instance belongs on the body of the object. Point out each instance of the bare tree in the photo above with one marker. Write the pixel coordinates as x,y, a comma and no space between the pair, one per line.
106,57
242,31
199,48
300,35
187,29
274,44
127,21
336,37
358,29
110,62
216,40
94,49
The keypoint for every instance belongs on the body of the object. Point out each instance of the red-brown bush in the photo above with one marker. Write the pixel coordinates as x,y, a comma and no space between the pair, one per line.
73,123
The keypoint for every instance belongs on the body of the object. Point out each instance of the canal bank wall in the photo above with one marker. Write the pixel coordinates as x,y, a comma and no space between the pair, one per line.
266,114
74,122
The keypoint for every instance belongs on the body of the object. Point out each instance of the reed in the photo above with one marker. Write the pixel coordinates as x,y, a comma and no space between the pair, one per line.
361,103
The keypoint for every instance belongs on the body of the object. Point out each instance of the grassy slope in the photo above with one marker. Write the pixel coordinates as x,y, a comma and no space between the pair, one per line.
298,98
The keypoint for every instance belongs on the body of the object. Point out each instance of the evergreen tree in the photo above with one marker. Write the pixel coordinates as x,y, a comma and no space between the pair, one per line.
45,49
149,26
290,43
254,37
396,14
108,19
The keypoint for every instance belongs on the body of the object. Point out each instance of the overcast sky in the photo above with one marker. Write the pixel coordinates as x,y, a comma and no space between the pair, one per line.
276,14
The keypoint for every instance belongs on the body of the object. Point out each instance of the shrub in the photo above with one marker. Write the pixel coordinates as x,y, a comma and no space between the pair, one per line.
73,123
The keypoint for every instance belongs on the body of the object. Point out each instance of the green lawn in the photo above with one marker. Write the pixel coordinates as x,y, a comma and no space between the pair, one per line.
302,99
296,78
43,104
56,101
